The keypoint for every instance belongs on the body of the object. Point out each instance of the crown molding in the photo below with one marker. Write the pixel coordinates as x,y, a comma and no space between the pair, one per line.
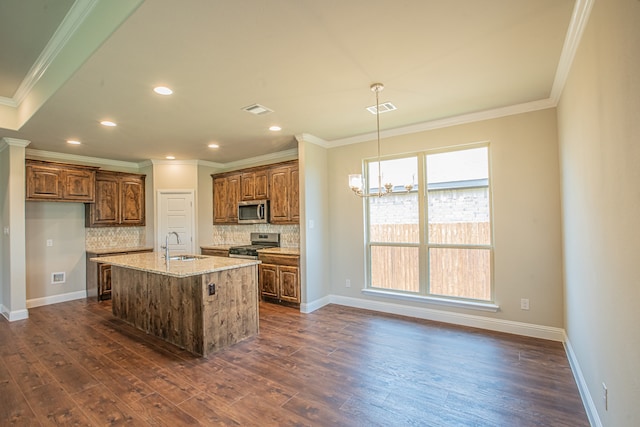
71,22
209,164
6,141
449,121
307,137
83,159
579,19
174,162
279,156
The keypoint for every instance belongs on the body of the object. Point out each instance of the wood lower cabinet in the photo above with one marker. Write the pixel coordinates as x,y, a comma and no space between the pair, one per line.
99,274
279,277
59,182
226,195
120,200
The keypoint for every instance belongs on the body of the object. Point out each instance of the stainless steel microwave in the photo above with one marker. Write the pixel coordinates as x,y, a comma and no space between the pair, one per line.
253,212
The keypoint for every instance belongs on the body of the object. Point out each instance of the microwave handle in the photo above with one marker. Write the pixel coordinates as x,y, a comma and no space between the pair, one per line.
260,211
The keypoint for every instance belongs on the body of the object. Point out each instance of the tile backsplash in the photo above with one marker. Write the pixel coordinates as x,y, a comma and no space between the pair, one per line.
240,234
114,237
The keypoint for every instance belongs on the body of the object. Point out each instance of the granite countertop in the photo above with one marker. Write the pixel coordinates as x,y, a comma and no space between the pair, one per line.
280,251
154,262
116,250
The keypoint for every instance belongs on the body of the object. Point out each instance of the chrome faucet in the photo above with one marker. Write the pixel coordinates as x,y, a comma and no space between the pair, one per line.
166,244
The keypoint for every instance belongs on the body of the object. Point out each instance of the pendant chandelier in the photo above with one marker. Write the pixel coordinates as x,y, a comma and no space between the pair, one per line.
355,180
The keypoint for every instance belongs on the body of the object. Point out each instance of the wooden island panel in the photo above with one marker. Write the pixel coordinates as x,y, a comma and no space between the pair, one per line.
233,310
181,311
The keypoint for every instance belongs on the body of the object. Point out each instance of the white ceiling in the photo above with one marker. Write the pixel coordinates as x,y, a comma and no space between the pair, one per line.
310,61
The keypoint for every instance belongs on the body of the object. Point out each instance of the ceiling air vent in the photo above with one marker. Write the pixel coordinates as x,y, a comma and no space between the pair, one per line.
257,109
384,108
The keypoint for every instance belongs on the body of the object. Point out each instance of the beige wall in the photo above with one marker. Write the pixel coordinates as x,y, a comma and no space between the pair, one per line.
4,222
63,223
12,177
314,223
599,138
526,212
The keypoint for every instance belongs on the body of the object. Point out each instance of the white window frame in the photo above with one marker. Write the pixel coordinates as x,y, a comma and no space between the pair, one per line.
424,294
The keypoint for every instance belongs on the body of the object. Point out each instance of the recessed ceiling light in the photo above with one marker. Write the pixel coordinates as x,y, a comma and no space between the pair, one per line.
170,157
108,123
212,145
162,90
73,142
275,128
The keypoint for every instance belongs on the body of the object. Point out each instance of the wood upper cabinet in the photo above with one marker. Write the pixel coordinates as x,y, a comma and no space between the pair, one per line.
283,183
226,195
59,182
255,185
120,201
277,183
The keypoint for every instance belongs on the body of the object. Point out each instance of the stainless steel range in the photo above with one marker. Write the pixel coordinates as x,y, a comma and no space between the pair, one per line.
258,241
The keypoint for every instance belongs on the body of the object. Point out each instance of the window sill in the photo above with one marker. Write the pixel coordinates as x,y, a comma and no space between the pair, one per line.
473,305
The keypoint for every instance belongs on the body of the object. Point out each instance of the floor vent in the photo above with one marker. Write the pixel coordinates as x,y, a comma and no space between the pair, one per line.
57,278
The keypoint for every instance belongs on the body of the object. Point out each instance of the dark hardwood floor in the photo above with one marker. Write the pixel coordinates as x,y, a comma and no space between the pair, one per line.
74,364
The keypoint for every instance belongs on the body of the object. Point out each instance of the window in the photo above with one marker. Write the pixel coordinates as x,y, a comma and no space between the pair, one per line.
436,239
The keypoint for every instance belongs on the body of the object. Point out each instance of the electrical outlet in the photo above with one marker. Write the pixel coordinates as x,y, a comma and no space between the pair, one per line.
49,242
212,288
347,283
524,303
605,396
6,231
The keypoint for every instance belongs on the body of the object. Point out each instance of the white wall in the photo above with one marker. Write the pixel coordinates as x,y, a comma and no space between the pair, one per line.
526,213
599,139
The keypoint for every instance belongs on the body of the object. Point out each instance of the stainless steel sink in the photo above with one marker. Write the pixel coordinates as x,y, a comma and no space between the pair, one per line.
186,257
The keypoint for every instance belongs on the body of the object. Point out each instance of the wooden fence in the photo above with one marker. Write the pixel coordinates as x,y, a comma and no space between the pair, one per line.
464,273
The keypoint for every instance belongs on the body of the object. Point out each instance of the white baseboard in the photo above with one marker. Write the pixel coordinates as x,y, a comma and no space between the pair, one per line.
314,305
12,316
587,400
54,299
499,325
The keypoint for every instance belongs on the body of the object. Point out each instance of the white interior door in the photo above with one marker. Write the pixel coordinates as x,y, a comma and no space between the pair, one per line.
176,214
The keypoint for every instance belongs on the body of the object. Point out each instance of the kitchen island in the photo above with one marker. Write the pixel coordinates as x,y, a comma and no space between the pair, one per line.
202,304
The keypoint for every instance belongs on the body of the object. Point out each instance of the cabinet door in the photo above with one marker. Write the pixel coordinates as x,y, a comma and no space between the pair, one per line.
43,182
104,282
294,200
233,197
279,188
79,185
106,210
220,200
289,284
132,201
261,185
268,280
248,185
